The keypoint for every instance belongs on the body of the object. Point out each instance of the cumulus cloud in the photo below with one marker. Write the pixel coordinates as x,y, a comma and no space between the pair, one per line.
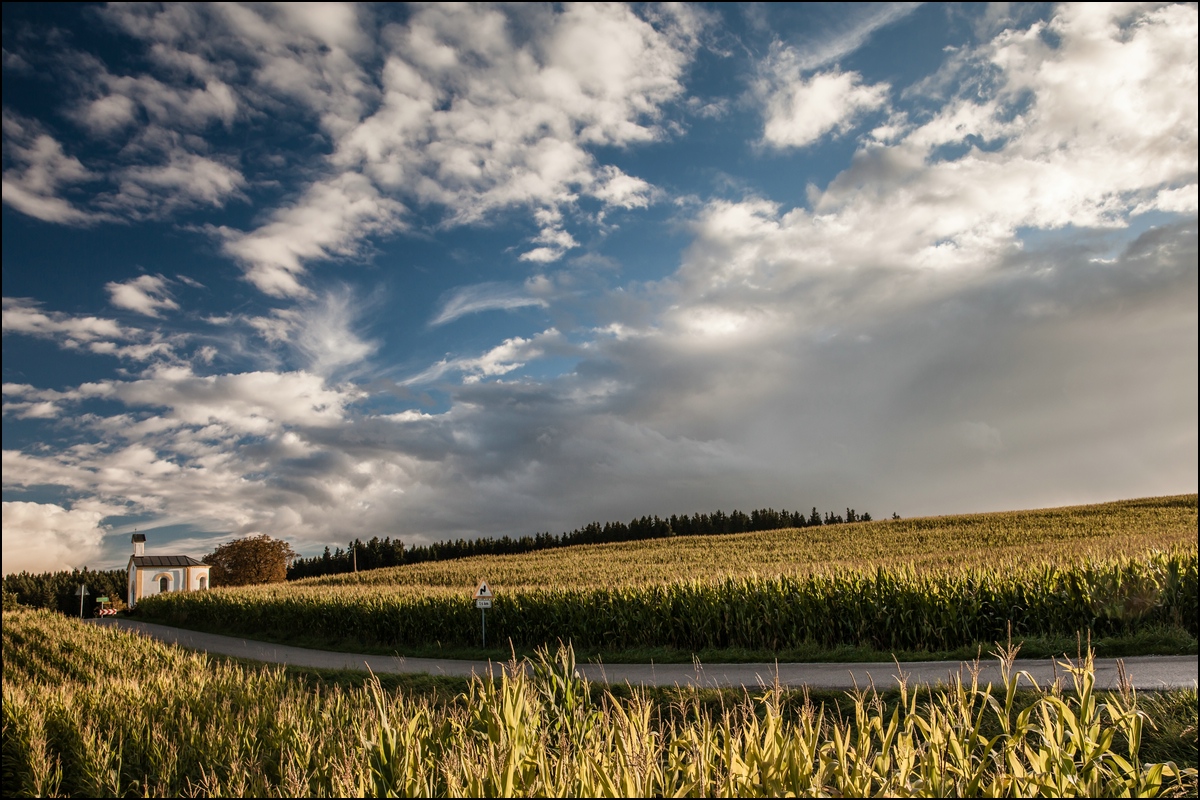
23,315
803,101
456,112
473,119
44,537
146,294
250,402
800,111
184,181
36,170
1065,160
331,221
160,169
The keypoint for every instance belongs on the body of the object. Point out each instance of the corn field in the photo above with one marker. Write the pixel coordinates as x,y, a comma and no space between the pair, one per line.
922,584
95,712
1005,540
889,608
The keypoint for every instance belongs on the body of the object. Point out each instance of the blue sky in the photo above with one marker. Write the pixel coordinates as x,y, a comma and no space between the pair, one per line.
327,271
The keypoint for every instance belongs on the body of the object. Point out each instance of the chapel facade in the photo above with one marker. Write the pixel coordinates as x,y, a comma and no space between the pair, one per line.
150,575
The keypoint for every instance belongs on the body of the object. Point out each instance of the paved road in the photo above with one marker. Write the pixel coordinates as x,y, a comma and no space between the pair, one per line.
1146,672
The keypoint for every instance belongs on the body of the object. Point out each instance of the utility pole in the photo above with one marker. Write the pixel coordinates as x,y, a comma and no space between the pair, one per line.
354,549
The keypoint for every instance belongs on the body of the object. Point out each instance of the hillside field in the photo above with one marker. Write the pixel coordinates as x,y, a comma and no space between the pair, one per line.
931,584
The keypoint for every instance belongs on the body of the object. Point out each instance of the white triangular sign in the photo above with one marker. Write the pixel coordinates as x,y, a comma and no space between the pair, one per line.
484,591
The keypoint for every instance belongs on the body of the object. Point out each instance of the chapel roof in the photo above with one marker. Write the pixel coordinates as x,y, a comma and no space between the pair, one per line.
167,561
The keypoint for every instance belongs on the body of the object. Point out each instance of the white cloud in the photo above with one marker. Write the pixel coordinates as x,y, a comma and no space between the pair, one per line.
330,221
121,98
278,327
24,315
30,402
799,111
251,402
483,297
475,121
554,241
36,170
325,334
43,537
99,335
146,294
156,172
899,342
801,104
1178,201
459,111
618,190
1107,125
505,357
185,180
135,352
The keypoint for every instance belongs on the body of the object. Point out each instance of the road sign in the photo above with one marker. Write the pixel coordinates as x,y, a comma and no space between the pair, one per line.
82,590
483,601
107,612
101,599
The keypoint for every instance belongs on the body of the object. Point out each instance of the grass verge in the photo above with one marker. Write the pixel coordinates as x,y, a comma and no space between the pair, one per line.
1165,640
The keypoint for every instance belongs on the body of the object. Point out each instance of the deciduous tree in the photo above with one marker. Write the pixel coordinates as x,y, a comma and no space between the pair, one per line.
255,559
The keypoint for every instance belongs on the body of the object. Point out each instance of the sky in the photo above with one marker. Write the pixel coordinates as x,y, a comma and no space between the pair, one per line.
326,271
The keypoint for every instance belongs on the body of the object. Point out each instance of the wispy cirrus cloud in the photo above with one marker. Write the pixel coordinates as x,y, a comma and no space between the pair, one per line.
843,37
489,296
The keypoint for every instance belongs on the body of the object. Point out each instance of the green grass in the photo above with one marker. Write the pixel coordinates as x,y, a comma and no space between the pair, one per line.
1166,640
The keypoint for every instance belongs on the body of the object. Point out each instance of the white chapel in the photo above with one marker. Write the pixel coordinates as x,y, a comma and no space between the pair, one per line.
149,575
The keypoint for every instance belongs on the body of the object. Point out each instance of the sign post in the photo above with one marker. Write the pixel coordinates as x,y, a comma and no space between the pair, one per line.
483,601
82,592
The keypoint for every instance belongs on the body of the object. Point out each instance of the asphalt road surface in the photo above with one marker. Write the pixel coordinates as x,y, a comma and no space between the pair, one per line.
1145,672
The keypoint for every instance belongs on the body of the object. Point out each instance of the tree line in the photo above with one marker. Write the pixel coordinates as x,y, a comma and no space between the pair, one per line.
261,559
56,590
254,559
388,552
